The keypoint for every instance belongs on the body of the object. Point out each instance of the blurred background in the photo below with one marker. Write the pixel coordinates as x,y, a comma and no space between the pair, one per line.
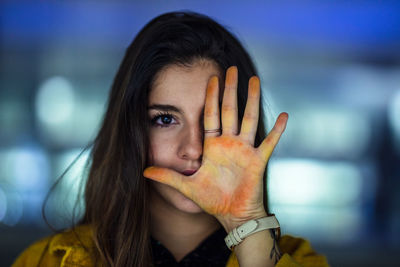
334,66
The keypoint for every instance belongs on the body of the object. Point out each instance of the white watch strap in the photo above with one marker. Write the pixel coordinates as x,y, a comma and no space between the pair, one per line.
236,236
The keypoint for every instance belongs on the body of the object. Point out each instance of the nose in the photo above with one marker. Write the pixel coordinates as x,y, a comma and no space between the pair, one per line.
191,144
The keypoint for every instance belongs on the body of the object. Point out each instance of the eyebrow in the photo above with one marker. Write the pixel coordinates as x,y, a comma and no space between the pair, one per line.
165,108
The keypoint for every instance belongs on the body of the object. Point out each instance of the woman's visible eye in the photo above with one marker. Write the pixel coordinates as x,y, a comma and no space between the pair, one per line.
163,120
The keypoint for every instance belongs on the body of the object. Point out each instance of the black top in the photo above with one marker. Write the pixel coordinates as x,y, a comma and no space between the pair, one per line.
211,252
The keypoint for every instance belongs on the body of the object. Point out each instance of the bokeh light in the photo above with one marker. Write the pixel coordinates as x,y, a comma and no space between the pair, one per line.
55,101
314,183
394,118
14,209
3,204
27,169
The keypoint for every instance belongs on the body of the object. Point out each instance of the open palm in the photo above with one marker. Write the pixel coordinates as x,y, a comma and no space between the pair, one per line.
229,183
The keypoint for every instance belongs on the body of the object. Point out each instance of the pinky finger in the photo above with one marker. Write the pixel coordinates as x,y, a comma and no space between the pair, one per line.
272,139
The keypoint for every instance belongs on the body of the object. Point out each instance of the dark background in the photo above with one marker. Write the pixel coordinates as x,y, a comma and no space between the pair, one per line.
334,66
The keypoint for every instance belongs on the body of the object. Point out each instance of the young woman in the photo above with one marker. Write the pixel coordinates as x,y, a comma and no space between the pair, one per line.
179,161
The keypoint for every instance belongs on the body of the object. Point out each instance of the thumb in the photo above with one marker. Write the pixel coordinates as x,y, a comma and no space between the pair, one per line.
167,176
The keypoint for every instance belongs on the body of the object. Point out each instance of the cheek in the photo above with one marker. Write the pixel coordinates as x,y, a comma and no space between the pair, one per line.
162,150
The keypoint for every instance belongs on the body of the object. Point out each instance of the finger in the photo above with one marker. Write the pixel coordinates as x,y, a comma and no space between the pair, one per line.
269,143
211,108
229,103
251,113
169,177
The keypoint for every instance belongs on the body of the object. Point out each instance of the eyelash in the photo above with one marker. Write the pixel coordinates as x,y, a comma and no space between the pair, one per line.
160,115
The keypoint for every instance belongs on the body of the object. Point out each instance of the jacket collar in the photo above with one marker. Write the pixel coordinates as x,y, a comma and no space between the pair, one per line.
74,246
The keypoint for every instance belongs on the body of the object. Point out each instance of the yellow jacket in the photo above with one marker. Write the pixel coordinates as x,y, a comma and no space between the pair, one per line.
76,248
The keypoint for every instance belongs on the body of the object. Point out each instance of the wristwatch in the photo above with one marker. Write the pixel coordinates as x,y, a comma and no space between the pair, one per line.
236,236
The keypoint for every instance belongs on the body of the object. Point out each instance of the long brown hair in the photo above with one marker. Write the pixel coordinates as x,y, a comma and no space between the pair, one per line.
117,194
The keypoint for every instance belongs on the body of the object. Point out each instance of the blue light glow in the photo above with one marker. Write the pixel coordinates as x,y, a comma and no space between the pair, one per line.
15,207
63,199
25,181
76,173
314,183
339,22
3,204
394,117
55,101
328,224
309,196
328,132
27,169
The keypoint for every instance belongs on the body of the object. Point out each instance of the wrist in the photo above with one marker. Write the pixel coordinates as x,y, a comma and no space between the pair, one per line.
257,250
255,242
230,223
251,227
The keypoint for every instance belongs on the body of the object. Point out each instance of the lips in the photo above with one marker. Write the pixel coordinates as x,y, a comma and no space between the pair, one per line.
188,172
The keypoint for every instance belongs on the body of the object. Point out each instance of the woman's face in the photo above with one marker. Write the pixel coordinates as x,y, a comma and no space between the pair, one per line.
175,108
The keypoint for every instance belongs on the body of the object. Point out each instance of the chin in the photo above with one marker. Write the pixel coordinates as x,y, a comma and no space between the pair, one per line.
172,198
185,204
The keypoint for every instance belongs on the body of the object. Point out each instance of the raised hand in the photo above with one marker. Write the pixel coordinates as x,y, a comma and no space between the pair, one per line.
229,183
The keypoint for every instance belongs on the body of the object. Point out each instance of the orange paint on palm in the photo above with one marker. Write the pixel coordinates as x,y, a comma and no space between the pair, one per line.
235,189
233,203
244,193
223,141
